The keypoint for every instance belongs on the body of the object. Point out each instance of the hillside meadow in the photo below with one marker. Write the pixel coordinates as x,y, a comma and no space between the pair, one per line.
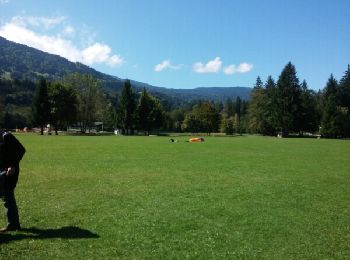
246,197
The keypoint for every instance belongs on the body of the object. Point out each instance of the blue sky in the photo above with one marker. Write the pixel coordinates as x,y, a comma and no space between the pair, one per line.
187,44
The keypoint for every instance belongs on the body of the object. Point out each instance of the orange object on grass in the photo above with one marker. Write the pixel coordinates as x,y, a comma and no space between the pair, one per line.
196,139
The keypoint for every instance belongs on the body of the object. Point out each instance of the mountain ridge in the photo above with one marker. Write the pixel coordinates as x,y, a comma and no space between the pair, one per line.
24,62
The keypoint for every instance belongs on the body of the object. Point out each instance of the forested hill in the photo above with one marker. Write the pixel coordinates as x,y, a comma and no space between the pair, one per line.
19,61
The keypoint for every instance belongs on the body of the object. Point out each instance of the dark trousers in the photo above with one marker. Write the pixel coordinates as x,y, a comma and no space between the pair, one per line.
11,209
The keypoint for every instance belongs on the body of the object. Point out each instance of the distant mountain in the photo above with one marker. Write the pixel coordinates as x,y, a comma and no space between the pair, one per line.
18,61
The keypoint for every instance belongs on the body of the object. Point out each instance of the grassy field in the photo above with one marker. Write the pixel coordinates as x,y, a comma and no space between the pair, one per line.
147,198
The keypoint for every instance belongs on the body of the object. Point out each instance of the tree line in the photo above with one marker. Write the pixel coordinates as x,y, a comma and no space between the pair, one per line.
288,106
284,107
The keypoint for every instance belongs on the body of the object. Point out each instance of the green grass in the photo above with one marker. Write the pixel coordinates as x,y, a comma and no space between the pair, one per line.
147,198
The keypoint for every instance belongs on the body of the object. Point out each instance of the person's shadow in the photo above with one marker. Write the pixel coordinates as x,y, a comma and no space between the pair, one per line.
69,232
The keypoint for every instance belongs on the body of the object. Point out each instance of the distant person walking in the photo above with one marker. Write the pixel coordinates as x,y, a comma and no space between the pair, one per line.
11,153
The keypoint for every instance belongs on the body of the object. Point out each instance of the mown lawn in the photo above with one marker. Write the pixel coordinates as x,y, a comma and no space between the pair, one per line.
147,198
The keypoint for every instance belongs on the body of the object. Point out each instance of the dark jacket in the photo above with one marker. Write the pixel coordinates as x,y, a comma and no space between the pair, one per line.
11,153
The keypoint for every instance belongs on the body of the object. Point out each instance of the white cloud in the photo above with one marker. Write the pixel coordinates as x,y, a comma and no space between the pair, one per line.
2,2
241,68
212,66
100,53
166,64
115,60
244,67
229,70
20,30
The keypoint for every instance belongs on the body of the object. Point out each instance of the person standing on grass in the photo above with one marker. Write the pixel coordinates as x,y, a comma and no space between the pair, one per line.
11,153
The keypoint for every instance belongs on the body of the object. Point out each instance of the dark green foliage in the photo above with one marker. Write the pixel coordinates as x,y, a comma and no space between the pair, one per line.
15,100
336,104
150,114
41,105
270,105
308,115
174,119
229,108
63,103
288,100
91,102
228,125
13,120
203,118
262,108
257,108
127,109
344,88
285,107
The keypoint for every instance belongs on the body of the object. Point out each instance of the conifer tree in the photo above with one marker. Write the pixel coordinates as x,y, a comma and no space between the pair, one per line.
344,100
41,106
256,109
288,100
331,118
150,114
270,106
307,117
127,109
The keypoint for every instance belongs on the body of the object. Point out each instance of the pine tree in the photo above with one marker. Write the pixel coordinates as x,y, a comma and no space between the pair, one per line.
288,100
344,100
308,119
127,109
150,114
238,114
331,119
270,106
41,106
256,111
229,109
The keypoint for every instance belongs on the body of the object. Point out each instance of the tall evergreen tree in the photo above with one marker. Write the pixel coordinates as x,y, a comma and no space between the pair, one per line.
41,105
144,110
308,118
344,100
270,106
288,100
229,109
331,118
238,114
256,111
150,114
127,109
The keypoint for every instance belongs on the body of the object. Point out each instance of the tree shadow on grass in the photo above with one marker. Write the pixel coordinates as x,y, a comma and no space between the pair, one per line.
69,232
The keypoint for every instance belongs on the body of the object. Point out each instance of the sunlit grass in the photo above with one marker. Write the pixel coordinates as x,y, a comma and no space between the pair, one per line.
145,197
